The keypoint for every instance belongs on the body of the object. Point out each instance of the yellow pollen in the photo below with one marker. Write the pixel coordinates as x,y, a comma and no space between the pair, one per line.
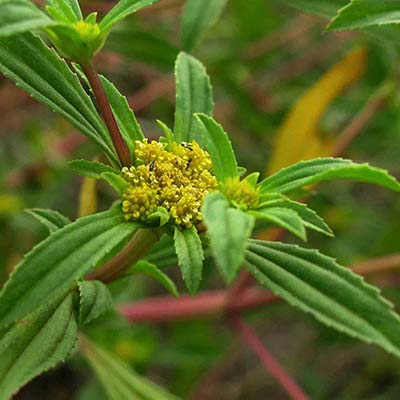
177,179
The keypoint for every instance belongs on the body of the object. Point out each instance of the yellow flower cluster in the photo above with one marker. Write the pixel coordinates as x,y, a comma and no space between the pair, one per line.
241,193
176,179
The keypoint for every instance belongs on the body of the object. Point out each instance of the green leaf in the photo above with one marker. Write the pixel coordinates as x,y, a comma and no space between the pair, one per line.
333,294
62,11
198,17
75,8
219,147
147,268
162,254
50,81
283,217
362,13
62,258
321,8
52,220
36,343
116,181
228,229
126,120
193,95
310,218
137,45
18,16
160,217
306,173
168,134
121,11
94,300
118,379
190,254
90,169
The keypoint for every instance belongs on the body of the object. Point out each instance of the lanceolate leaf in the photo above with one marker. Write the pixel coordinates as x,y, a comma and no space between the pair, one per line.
129,127
53,220
119,381
18,16
310,218
193,95
198,17
62,10
283,217
122,10
55,264
116,181
162,254
147,268
333,294
190,256
94,300
362,13
36,343
50,81
322,169
228,229
321,8
91,169
219,147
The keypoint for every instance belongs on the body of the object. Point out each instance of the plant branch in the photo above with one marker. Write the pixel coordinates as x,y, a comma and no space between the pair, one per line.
107,114
380,264
271,365
138,246
166,309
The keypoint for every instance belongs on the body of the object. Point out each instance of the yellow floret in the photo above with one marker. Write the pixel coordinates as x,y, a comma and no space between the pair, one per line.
177,180
242,193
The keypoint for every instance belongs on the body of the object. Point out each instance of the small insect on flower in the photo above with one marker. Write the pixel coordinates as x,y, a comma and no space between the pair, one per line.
177,179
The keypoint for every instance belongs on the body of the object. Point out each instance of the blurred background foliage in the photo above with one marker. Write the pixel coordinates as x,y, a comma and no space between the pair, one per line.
284,89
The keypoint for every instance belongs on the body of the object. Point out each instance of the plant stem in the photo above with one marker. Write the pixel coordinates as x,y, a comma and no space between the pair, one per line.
269,362
138,246
166,309
107,114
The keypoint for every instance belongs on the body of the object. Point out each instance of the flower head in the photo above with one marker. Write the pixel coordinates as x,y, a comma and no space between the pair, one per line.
177,179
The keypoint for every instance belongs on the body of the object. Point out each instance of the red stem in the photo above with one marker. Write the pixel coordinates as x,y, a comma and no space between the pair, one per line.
165,309
269,362
107,114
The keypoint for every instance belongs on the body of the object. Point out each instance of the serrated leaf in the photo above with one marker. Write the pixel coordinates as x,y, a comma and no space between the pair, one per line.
320,8
126,120
136,45
36,343
333,294
193,95
306,173
190,254
50,81
121,10
159,217
116,181
310,218
284,218
362,13
299,137
147,268
94,300
52,220
118,379
198,17
53,266
219,147
18,16
90,169
74,4
228,229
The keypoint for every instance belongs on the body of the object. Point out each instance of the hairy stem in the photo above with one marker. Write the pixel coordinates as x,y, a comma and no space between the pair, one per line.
138,246
271,365
107,114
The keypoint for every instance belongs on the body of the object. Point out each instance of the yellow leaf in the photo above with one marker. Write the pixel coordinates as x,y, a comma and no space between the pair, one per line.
299,138
87,197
